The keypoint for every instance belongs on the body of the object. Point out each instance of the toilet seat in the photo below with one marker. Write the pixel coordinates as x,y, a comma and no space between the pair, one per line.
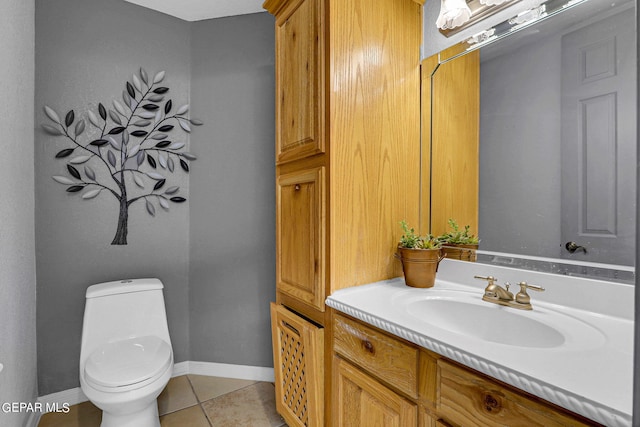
128,363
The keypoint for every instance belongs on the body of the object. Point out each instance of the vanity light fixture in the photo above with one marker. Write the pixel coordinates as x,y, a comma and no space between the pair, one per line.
458,14
520,21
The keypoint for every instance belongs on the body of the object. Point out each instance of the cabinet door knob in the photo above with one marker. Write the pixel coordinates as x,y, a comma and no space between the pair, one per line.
297,187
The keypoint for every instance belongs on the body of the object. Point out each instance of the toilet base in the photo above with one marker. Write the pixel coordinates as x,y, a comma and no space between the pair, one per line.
147,417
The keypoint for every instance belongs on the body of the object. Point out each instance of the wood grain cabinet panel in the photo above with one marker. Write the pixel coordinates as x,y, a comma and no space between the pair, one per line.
472,400
298,368
299,82
360,401
300,236
387,358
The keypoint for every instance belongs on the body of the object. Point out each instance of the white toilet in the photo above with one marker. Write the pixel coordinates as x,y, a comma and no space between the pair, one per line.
126,358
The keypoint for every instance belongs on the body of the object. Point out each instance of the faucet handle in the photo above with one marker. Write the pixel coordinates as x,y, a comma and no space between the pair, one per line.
524,286
523,297
492,280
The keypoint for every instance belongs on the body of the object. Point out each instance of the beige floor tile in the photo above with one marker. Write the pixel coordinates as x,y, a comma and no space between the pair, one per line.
190,417
177,395
252,406
81,415
207,388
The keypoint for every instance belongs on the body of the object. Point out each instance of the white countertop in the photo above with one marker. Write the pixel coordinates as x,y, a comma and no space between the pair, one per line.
590,374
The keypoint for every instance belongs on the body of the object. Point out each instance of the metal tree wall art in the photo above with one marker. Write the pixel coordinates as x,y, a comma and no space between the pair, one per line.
133,152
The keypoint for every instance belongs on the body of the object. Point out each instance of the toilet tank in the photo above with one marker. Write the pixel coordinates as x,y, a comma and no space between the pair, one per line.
121,310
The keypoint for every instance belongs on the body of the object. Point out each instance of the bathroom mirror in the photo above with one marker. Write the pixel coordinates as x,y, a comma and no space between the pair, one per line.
557,178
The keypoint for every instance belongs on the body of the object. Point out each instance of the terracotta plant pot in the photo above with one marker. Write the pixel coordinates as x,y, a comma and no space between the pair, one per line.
459,251
419,266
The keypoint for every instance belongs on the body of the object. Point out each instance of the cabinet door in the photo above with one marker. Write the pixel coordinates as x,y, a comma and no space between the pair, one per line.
300,236
472,400
358,401
299,80
298,358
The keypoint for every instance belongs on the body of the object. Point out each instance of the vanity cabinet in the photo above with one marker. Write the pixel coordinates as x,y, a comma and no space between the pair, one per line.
347,152
362,401
370,364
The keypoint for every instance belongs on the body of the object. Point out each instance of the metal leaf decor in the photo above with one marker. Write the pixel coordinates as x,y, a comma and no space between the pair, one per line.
120,167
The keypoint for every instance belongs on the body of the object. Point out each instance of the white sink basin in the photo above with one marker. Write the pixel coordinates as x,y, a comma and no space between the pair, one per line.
487,322
468,316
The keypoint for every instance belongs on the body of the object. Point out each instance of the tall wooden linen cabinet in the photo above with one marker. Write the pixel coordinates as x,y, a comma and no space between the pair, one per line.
347,171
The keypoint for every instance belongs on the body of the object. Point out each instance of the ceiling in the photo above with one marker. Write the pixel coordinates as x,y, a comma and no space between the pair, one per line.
196,10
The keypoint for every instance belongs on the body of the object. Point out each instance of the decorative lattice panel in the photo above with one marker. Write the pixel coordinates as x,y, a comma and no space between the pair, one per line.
294,385
298,355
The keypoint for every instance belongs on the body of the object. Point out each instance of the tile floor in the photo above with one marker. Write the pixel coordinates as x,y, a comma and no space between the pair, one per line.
194,401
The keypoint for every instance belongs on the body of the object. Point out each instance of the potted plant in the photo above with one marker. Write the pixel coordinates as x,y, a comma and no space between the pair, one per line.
459,244
420,256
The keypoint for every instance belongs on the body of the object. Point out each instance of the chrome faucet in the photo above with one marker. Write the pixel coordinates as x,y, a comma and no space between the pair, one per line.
496,294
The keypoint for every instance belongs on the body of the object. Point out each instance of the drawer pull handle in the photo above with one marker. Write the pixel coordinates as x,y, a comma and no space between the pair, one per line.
368,346
491,403
290,327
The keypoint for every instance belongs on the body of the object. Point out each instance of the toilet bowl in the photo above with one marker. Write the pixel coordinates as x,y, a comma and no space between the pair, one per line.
126,358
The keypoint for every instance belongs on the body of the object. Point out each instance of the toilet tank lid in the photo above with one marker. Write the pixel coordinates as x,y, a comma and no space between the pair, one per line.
123,287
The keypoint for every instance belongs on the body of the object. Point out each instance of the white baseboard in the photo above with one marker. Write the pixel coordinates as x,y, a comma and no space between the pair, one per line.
180,368
74,396
240,372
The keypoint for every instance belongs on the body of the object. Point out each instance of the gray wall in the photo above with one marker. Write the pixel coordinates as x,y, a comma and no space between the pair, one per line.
17,240
520,101
232,260
85,51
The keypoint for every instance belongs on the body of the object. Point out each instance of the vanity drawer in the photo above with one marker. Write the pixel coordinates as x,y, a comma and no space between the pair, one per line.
387,358
469,399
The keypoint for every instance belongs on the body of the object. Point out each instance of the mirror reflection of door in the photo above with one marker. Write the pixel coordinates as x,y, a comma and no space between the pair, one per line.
599,140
